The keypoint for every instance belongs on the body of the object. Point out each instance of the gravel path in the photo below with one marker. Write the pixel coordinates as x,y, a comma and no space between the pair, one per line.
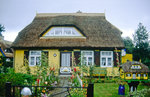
63,83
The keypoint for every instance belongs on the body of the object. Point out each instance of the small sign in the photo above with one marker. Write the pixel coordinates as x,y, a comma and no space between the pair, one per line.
123,52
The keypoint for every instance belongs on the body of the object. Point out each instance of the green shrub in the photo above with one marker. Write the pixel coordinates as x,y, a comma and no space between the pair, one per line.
15,79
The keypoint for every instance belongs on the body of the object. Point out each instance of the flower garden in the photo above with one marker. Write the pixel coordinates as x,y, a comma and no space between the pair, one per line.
81,76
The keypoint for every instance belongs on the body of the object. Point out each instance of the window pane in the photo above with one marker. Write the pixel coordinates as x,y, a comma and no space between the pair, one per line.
89,60
139,75
67,31
106,53
128,75
103,61
35,52
87,53
109,61
103,53
58,31
37,60
32,61
109,53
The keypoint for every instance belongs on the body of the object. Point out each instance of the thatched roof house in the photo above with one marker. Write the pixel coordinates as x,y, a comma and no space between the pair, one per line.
97,31
141,68
67,36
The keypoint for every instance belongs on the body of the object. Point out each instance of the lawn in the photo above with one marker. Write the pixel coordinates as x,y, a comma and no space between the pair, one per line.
111,89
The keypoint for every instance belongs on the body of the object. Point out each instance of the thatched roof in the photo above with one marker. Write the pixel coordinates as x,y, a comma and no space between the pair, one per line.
4,44
98,31
127,67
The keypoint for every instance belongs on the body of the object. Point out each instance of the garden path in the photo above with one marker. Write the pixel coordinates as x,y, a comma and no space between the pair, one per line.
63,83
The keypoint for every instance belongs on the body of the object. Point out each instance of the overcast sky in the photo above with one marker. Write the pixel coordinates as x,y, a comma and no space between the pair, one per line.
124,14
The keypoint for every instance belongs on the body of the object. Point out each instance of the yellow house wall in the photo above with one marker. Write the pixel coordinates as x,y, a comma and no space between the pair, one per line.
54,61
19,59
127,57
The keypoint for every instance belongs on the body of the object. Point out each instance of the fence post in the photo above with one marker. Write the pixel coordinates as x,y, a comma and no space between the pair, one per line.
90,90
8,89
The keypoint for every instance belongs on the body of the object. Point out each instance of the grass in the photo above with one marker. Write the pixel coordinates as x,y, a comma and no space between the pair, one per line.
111,89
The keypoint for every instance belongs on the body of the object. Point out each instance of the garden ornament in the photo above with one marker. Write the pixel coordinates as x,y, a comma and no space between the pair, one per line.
26,92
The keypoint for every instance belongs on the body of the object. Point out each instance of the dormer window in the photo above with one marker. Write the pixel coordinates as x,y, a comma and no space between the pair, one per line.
135,67
63,31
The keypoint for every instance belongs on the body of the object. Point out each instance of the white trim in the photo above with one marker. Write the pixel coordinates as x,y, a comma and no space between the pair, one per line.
103,56
35,56
87,56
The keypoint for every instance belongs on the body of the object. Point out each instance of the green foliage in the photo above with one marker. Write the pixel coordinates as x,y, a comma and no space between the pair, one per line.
140,93
15,79
128,45
2,29
77,92
45,76
141,45
140,36
5,64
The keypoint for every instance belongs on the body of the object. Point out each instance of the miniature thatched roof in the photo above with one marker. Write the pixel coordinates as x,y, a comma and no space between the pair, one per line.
4,44
98,31
127,67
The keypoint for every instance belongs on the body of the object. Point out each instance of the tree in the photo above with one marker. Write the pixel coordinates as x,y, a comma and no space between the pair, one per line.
141,44
2,29
128,44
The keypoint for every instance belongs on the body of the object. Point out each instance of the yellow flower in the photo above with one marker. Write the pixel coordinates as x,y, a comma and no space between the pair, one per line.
43,91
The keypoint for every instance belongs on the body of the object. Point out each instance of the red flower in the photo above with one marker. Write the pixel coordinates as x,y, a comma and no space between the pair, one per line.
116,60
38,81
75,70
83,86
71,77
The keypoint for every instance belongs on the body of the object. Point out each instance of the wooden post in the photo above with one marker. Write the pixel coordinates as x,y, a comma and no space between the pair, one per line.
90,90
8,89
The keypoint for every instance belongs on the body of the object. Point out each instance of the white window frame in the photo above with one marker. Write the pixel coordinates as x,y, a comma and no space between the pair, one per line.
71,29
139,75
102,56
128,75
144,75
87,56
35,56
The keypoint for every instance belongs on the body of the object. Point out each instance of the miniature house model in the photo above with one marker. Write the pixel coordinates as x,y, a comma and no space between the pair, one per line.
134,71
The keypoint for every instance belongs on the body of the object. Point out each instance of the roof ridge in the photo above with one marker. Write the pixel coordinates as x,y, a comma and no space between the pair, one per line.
74,14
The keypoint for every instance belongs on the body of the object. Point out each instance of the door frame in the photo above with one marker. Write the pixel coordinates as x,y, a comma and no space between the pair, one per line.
69,68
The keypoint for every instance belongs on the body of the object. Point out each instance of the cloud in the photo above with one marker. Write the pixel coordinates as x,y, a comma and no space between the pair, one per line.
10,35
128,32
